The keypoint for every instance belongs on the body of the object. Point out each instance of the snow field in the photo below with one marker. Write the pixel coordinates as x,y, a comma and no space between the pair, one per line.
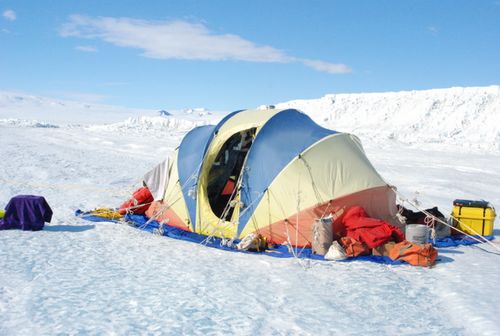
81,278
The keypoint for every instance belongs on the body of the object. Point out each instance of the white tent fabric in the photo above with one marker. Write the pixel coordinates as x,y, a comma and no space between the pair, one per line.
157,179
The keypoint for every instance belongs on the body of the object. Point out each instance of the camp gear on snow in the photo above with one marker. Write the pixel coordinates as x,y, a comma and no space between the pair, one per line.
431,217
252,242
370,231
471,203
476,238
287,170
383,250
440,230
157,179
105,213
474,217
414,254
272,250
97,217
26,212
322,235
2,213
139,197
417,233
141,222
354,248
335,252
421,217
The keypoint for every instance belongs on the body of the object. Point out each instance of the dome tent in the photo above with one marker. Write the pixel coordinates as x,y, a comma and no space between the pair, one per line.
272,172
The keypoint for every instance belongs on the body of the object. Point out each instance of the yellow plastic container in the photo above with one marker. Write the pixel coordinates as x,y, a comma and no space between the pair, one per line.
2,213
474,217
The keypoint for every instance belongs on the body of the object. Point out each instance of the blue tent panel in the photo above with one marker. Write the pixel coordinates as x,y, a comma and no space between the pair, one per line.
189,158
283,137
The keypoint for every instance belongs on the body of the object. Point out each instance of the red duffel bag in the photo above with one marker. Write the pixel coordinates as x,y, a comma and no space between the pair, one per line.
140,196
370,231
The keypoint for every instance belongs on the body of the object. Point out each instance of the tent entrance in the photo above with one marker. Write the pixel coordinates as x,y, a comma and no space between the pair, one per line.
226,169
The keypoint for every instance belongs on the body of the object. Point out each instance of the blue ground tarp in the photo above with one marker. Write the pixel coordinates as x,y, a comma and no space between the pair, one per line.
458,240
278,251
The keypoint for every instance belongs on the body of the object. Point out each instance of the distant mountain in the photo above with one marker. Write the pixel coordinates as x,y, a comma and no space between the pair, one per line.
164,113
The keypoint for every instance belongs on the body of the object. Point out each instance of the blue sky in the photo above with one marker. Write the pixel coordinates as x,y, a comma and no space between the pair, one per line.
228,55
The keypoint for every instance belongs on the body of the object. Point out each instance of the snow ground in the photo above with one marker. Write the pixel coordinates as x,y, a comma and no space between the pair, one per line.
82,278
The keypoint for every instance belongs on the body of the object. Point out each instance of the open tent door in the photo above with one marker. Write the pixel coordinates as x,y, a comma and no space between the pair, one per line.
225,172
220,178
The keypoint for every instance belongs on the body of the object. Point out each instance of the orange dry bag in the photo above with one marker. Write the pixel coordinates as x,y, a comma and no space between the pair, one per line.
414,254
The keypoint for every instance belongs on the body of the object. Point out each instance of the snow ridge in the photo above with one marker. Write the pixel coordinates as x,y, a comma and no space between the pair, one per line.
466,117
23,123
158,123
24,106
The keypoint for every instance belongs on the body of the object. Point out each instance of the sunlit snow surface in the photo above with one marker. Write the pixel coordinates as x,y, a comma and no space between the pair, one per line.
78,277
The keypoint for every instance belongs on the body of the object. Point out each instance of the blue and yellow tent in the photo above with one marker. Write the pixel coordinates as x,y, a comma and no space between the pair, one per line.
272,172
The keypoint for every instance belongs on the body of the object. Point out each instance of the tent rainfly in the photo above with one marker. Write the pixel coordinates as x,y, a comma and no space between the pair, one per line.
272,172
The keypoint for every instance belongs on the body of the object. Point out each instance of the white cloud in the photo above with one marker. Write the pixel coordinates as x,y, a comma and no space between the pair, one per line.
326,66
80,96
433,30
86,48
10,15
181,40
114,83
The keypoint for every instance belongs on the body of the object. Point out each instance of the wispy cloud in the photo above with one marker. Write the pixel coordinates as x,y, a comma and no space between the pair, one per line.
433,29
80,96
182,40
9,14
86,48
326,66
114,83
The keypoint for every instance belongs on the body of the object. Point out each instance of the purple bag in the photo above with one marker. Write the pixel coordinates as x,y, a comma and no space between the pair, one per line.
26,212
